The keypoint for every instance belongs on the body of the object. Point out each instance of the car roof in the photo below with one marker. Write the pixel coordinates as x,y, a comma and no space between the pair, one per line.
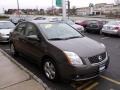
5,21
43,21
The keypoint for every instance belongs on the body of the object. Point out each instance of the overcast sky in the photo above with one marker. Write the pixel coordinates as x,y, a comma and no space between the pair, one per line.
46,3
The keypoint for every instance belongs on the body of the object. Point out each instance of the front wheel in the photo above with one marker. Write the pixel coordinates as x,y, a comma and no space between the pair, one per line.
50,70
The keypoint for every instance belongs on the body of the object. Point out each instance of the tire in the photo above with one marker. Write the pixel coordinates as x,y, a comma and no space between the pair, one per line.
13,50
87,31
101,33
49,69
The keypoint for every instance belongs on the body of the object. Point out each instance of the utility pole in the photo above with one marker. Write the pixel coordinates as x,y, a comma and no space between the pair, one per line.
18,8
68,8
52,8
62,3
3,11
64,9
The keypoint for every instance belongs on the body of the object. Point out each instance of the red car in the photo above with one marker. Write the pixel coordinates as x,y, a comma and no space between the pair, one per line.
91,25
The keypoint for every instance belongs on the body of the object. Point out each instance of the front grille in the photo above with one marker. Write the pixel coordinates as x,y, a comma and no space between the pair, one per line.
97,58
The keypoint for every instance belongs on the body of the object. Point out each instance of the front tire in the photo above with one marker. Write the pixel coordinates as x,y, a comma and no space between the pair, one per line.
50,69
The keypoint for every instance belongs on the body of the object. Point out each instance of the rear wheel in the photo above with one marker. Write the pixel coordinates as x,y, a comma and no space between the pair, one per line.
50,70
101,33
13,50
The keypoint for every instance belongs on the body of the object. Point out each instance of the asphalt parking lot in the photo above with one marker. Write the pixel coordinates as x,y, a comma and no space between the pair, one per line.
110,80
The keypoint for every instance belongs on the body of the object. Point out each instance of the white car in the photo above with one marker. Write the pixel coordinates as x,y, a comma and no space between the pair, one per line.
16,18
5,28
112,27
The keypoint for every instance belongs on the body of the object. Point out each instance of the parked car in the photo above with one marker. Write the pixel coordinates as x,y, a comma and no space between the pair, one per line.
16,19
113,27
81,22
92,25
5,28
39,18
53,19
60,50
76,26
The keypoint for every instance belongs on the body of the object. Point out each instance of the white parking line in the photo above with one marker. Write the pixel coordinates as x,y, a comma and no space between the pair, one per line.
111,80
105,37
91,87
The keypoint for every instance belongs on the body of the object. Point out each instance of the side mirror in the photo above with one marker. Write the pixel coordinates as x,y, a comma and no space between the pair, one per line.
33,37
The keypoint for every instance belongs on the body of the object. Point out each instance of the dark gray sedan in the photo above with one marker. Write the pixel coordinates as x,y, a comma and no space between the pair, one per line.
60,50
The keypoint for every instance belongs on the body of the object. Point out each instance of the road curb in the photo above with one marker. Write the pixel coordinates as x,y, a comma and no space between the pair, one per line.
26,70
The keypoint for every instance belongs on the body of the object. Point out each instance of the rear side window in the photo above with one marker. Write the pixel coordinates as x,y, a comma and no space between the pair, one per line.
20,28
30,30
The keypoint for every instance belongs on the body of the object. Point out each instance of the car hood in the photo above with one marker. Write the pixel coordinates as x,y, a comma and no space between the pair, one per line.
5,31
84,47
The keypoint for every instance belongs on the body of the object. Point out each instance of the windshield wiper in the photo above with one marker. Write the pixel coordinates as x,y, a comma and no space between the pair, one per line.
65,38
56,39
73,37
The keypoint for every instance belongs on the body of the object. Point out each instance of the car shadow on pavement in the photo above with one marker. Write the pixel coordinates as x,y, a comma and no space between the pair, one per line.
36,70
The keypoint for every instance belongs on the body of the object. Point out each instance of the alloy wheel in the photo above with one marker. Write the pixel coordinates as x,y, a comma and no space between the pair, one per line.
49,70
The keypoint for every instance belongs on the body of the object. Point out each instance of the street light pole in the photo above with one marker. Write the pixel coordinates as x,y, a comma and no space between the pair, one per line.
68,8
18,8
52,7
64,9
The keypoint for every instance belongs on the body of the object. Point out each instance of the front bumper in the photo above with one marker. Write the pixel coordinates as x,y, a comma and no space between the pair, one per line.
85,72
4,38
93,29
114,32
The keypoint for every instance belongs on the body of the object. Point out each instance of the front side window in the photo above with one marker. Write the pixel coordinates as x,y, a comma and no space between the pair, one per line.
59,31
30,30
20,28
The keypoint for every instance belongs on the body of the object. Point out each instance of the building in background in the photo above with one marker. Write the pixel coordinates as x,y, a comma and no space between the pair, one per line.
117,2
99,9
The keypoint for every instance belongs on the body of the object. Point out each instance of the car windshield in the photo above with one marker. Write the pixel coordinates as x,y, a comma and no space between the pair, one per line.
114,23
6,25
70,22
92,21
59,31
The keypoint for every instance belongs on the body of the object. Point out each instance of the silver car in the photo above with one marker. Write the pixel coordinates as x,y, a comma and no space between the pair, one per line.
5,28
113,27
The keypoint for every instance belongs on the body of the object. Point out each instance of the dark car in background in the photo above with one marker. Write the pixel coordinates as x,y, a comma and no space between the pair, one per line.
39,18
92,25
60,50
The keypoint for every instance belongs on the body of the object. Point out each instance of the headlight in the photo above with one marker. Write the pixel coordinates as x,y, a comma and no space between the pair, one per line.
73,58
